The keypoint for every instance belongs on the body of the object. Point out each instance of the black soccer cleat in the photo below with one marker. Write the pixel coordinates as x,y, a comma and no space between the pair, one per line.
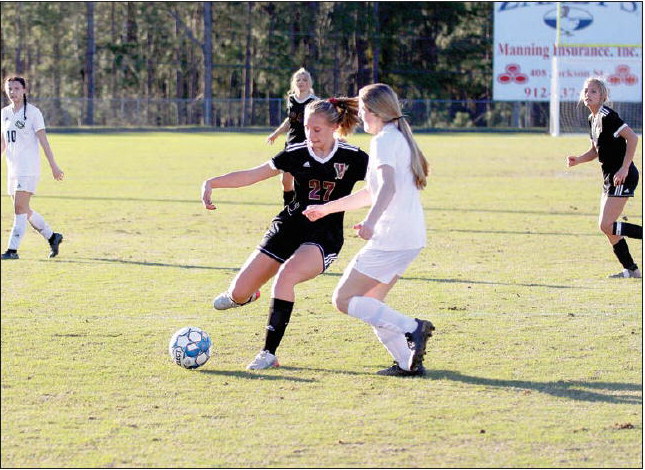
54,242
417,341
396,371
9,255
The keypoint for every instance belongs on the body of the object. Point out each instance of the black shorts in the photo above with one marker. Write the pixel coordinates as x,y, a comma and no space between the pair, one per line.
287,233
626,189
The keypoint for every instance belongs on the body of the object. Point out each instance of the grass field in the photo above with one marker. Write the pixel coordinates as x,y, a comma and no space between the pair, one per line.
537,359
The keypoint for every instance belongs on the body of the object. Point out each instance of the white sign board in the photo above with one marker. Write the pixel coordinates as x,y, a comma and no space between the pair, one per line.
599,39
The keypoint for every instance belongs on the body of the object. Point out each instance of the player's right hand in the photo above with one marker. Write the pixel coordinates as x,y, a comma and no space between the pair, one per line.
314,212
571,161
207,192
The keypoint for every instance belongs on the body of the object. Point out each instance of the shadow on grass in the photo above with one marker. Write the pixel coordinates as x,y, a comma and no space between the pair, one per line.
573,212
139,263
256,376
195,201
234,270
327,371
575,390
517,232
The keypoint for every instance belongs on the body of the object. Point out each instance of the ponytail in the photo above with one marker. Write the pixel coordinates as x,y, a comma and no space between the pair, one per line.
381,100
418,162
342,111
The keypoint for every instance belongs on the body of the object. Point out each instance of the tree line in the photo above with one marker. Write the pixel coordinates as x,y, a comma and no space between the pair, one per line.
246,50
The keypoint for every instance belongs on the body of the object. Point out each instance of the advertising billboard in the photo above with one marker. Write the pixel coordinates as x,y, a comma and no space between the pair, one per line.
600,39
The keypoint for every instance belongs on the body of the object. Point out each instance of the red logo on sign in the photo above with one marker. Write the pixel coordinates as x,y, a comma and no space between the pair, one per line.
512,75
622,76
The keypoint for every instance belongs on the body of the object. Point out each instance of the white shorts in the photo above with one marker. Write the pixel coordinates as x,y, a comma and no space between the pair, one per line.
383,265
22,183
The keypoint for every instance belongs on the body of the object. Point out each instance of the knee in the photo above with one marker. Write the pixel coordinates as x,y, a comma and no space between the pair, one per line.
285,277
284,286
239,293
340,302
606,227
21,208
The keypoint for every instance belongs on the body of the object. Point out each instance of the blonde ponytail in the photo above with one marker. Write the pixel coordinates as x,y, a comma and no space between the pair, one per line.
381,100
418,162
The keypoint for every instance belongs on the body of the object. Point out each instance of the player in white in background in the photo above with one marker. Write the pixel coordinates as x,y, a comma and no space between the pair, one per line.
23,128
613,142
301,93
394,229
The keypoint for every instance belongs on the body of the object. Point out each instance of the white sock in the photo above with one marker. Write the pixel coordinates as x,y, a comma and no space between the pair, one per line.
376,313
37,222
396,345
17,231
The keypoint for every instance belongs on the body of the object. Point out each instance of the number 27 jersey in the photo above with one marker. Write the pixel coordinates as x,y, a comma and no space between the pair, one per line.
317,180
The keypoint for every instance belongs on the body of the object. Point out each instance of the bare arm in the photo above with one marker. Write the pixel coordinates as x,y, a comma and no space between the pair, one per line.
4,145
284,127
235,179
384,195
588,156
360,198
57,172
632,140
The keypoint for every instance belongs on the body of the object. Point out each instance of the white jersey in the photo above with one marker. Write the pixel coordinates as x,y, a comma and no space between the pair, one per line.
402,224
23,156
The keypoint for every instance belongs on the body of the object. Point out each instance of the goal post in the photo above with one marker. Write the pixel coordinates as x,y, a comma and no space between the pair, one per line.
554,99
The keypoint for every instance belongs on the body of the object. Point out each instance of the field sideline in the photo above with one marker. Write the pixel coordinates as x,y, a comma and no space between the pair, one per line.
537,359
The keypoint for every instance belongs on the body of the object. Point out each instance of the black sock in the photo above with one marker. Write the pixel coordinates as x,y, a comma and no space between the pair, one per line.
288,196
628,230
279,315
12,251
621,250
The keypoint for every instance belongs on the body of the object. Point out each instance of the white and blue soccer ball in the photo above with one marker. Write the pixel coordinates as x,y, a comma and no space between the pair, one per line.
190,347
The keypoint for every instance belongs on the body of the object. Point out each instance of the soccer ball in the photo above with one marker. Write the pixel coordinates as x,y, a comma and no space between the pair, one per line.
190,347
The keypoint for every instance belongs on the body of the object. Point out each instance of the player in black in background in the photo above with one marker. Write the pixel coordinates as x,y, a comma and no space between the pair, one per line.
300,94
294,249
613,142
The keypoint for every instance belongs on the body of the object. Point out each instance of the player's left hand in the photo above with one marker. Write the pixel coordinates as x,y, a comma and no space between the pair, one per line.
57,173
620,176
365,231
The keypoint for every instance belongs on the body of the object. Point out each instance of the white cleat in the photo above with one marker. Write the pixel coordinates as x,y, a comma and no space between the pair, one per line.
224,301
264,360
635,273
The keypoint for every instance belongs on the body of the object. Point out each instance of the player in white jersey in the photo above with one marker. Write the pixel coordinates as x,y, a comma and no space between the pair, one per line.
394,228
23,128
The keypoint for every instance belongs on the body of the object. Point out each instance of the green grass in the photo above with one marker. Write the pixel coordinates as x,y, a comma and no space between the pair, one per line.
537,360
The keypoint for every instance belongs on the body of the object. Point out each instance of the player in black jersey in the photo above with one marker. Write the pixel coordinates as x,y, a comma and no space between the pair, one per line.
300,94
295,249
613,142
